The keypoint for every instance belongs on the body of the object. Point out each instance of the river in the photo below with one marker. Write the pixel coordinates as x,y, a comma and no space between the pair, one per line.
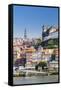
35,79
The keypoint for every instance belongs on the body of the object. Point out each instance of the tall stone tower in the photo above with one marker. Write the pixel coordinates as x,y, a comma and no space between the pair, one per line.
25,34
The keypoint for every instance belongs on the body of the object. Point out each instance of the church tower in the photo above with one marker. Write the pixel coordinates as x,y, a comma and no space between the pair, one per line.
25,34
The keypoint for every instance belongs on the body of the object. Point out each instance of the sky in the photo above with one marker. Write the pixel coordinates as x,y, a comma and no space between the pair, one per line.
32,18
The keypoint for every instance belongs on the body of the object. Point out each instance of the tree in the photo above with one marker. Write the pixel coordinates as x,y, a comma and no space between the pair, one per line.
36,67
52,43
53,56
41,64
37,43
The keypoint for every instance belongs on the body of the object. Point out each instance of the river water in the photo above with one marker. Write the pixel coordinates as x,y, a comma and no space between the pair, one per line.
35,79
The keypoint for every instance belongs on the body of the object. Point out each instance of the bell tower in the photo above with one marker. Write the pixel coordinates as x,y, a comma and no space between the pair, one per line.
25,34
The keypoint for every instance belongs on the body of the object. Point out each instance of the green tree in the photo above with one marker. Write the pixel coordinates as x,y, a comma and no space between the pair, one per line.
38,43
52,43
41,64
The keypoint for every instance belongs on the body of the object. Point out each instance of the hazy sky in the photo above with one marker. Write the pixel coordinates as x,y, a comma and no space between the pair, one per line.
33,18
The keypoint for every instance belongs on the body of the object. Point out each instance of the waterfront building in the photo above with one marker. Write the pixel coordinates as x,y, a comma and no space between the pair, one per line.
49,37
50,46
17,48
46,54
53,66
